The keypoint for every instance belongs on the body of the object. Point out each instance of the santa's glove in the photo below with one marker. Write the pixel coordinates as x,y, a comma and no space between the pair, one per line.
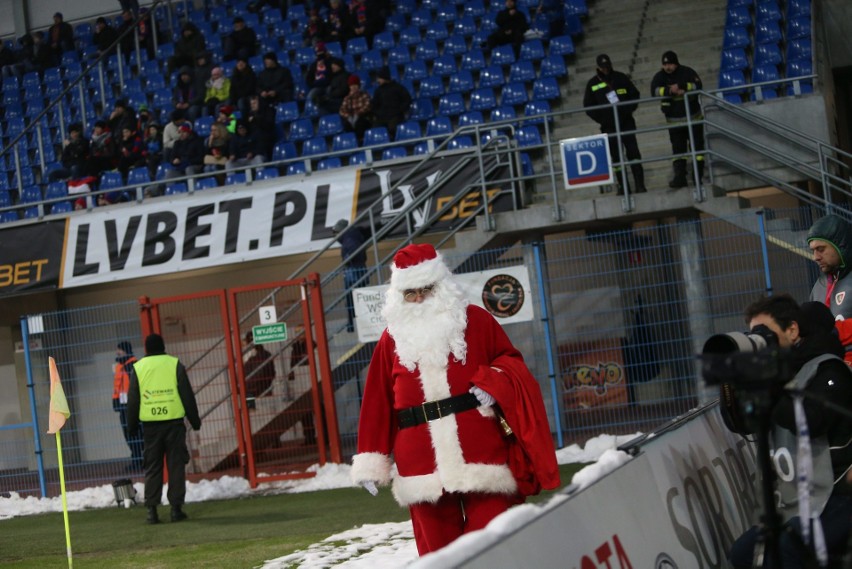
370,487
485,399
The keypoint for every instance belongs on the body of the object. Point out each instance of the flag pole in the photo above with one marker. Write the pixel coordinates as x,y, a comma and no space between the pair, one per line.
64,500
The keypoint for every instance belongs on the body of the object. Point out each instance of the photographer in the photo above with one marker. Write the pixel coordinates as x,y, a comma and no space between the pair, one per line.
816,360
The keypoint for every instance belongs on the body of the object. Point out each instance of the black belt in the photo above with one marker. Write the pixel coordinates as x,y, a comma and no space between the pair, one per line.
433,410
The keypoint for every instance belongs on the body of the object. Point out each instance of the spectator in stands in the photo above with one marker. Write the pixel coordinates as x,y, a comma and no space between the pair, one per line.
259,370
201,72
36,54
187,48
356,109
243,148
318,76
225,116
243,85
390,102
146,32
101,149
122,115
185,95
609,87
216,148
511,25
171,133
153,142
338,88
275,82
316,30
187,154
144,118
241,42
261,123
60,37
131,150
104,36
672,83
75,155
338,22
553,14
366,21
218,90
128,36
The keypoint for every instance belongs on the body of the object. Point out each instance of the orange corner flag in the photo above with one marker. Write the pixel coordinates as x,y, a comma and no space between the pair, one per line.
59,411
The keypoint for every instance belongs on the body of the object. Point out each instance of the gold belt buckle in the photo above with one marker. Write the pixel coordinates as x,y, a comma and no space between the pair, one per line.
426,413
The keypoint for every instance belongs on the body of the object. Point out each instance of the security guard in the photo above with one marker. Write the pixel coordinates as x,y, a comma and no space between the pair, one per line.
161,396
611,87
672,83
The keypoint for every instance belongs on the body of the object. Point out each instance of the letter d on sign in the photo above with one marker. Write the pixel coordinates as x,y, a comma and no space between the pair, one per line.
586,157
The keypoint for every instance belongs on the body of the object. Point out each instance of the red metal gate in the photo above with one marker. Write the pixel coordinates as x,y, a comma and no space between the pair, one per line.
267,409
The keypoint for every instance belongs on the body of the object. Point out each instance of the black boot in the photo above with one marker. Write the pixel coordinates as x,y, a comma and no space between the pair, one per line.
177,514
639,178
679,180
152,518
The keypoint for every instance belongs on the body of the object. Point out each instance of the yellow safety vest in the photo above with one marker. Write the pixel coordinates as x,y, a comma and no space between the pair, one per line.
158,391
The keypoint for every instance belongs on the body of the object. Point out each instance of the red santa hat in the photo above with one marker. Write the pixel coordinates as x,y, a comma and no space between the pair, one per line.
417,266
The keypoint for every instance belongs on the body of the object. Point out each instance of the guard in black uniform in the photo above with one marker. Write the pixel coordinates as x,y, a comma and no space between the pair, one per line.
673,82
612,87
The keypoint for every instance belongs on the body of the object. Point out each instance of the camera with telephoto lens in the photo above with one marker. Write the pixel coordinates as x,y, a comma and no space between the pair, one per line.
750,359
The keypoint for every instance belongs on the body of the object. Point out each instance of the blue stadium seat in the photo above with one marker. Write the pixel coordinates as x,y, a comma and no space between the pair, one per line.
799,68
439,126
546,88
415,70
372,60
329,125
421,17
488,22
329,163
8,216
736,37
410,35
503,55
284,150
474,8
427,50
268,173
31,80
465,26
300,129
491,76
399,55
446,13
408,130
233,178
202,125
296,169
553,66
304,56
799,48
451,104
522,71
394,152
767,32
461,82
394,23
474,60
110,179
153,82
526,165
444,65
60,207
458,142
734,59
358,158
737,16
422,148
314,146
455,45
536,107
528,135
762,74
162,98
334,49
376,135
799,27
431,87
11,84
482,99
532,50
139,176
766,54
383,41
286,112
767,11
561,45
471,117
55,190
206,183
573,7
732,78
421,109
356,45
574,25
437,31
797,8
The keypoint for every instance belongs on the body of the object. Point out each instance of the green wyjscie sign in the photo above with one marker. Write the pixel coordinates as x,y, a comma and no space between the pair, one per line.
268,333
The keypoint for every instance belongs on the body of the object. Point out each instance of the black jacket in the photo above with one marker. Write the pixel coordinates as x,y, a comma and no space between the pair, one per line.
596,94
278,79
673,106
390,101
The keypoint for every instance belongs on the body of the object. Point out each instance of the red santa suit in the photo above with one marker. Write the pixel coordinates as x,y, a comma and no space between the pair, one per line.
459,471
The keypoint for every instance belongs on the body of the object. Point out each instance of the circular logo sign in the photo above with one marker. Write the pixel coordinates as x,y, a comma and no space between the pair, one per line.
503,296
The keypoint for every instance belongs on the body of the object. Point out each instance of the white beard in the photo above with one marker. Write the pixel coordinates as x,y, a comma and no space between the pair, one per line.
426,333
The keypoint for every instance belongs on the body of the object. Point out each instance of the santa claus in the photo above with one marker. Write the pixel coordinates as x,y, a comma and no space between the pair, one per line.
450,400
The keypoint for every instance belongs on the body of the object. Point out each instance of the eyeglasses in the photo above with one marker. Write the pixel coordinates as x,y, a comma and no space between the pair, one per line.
412,294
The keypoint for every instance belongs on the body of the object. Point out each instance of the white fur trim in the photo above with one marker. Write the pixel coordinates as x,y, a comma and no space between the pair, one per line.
371,466
420,275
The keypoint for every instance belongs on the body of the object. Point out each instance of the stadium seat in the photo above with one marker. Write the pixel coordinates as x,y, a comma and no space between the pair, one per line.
528,135
502,113
444,65
532,50
206,183
767,54
446,13
233,178
553,66
799,68
358,158
415,70
286,112
408,130
798,48
799,27
488,22
296,169
409,36
427,50
514,94
461,82
503,55
202,125
372,60
451,104
546,88
421,17
284,150
334,49
474,8
110,180
394,152
8,216
59,208
736,37
574,25
474,60
393,24
304,56
329,163
300,129
734,59
162,98
329,125
268,173
376,135
314,146
738,16
455,45
421,109
431,87
536,107
522,71
491,76
458,142
482,99
561,45
574,7
356,45
465,26
437,31
55,190
767,32
398,55
439,126
797,8
471,117
767,11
